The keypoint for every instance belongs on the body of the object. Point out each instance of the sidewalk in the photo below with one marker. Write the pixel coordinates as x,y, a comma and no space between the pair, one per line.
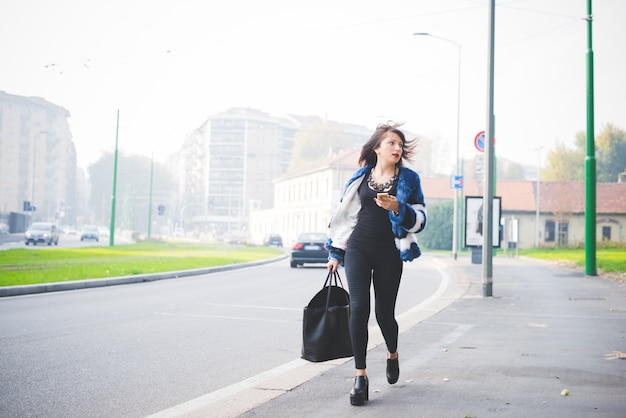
546,329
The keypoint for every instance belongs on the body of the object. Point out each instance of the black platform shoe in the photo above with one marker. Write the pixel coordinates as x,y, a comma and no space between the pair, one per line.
393,370
359,393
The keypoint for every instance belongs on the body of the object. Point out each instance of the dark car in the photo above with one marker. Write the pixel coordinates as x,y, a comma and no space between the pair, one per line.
274,240
90,232
309,248
42,232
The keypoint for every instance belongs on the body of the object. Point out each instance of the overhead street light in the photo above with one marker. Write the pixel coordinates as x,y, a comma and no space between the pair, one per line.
32,187
455,222
538,210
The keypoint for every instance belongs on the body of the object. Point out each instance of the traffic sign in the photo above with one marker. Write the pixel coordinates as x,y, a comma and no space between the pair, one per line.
479,164
479,141
456,182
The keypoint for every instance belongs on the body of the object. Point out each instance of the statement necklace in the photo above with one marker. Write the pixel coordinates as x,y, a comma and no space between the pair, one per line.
381,187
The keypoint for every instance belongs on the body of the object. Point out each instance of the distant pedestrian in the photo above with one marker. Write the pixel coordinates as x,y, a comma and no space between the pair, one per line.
371,233
479,220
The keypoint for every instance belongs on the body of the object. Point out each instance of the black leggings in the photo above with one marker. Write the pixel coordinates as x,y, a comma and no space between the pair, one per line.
385,270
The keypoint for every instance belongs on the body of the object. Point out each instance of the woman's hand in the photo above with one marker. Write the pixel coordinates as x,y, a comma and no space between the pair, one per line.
332,264
388,202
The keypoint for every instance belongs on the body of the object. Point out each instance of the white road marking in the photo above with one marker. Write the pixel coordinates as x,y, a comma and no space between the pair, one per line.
407,319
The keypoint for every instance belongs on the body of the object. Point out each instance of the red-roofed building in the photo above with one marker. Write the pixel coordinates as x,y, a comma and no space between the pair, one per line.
305,198
561,209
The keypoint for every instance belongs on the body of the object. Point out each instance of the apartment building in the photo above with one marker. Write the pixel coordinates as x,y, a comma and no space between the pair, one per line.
228,164
37,162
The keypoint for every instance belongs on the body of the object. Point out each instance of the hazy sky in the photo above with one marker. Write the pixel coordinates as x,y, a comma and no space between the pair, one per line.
167,65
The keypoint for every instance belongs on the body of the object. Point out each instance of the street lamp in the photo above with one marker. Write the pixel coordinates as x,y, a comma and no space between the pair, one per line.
32,187
455,222
538,210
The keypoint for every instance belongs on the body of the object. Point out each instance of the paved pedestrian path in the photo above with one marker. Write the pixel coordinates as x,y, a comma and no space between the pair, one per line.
549,343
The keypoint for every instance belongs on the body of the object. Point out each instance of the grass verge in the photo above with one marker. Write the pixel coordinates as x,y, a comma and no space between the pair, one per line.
608,260
22,266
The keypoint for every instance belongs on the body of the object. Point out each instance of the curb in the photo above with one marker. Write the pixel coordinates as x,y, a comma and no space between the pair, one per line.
244,397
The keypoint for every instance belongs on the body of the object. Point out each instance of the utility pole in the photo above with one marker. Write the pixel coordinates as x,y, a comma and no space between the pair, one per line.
112,226
150,203
487,256
590,162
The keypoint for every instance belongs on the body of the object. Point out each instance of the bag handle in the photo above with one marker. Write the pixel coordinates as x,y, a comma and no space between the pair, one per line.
329,281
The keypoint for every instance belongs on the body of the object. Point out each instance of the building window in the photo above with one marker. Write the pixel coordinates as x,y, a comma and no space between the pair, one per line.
563,233
549,231
606,233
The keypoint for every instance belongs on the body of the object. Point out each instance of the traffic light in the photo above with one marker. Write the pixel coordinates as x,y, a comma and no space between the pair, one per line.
161,210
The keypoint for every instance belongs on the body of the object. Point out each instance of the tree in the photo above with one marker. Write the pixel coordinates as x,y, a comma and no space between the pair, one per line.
132,191
565,164
611,153
315,141
508,170
438,232
569,164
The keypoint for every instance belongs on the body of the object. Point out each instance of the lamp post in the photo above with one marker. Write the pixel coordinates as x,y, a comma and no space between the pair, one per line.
114,193
538,195
32,187
455,222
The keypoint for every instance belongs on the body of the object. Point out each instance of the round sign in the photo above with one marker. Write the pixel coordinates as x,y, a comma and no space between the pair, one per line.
479,141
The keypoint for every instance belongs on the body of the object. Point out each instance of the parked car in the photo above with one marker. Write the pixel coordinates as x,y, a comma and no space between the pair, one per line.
89,232
274,240
68,230
42,232
103,231
309,248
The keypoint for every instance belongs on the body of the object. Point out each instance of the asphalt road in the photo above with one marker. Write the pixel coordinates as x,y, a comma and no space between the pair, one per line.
8,241
136,350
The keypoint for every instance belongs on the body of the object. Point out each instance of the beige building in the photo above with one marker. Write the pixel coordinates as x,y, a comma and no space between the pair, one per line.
305,198
560,207
37,162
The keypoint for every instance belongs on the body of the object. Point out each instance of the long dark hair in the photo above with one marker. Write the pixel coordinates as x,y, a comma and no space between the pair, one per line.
369,157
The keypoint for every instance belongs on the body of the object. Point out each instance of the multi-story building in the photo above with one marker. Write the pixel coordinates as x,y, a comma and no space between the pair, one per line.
37,162
229,163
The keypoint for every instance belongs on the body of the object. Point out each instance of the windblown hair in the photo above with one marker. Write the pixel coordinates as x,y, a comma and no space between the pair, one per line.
369,157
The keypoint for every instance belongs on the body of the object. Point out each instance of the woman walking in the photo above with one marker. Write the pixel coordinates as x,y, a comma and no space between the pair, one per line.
371,233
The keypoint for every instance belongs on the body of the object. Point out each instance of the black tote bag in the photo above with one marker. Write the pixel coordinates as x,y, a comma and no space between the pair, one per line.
325,324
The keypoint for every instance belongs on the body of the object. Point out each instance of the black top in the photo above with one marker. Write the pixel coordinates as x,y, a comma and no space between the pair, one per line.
373,228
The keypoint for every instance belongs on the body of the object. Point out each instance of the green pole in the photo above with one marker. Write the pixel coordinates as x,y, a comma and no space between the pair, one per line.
112,226
150,205
590,162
